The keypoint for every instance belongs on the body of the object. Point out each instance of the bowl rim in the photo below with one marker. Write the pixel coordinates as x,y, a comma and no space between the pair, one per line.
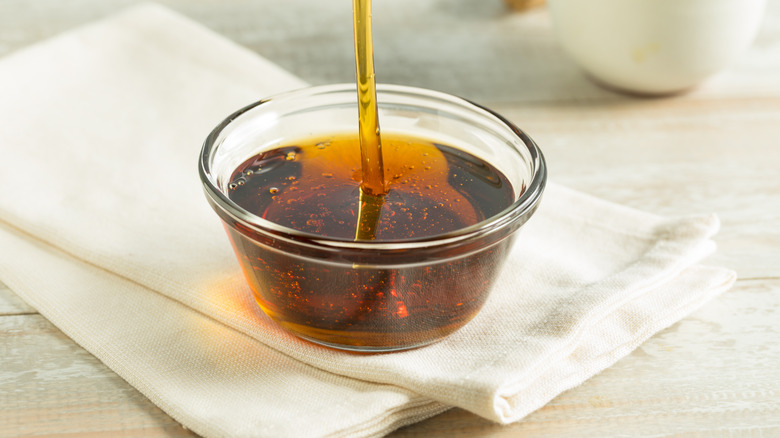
524,205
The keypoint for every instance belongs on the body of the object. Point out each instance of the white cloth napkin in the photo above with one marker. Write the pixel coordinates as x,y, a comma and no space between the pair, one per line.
104,229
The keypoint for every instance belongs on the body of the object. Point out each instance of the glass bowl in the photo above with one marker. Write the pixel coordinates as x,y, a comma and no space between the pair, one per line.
371,295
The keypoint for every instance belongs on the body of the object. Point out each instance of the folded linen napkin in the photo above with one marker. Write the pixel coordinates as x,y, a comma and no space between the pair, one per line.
104,230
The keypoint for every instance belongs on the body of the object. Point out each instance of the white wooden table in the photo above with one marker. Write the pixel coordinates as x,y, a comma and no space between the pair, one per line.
716,373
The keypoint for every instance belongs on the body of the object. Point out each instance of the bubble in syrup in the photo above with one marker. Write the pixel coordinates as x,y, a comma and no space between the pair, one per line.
273,190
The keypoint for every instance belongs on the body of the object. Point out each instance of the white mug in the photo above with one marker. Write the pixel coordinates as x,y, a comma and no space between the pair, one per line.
655,46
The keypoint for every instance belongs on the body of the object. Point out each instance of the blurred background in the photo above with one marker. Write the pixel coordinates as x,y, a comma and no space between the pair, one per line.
480,49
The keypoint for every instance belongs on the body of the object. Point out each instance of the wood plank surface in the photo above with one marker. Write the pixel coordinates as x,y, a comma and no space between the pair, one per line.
717,149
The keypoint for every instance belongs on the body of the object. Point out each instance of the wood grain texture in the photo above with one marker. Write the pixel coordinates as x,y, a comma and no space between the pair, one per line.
675,157
716,149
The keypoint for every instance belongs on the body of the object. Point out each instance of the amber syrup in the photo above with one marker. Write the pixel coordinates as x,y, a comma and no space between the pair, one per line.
314,187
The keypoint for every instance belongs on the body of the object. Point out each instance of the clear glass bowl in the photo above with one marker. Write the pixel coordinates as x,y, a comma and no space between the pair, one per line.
389,295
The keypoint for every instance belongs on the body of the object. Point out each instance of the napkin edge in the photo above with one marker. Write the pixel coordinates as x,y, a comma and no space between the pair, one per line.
722,280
